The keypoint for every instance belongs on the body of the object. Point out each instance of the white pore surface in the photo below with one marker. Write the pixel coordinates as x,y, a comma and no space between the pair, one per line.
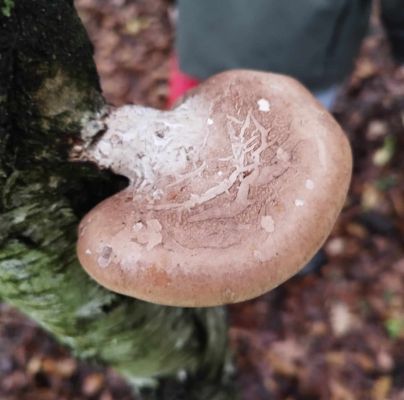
145,144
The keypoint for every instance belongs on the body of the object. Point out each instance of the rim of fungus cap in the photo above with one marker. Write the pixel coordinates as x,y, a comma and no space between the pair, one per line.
230,193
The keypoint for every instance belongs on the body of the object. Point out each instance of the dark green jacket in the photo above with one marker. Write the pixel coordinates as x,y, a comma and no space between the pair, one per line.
315,41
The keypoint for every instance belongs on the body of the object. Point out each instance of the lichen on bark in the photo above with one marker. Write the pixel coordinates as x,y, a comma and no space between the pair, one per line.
48,88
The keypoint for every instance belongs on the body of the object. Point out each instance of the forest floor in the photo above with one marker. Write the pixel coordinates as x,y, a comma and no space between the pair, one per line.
337,333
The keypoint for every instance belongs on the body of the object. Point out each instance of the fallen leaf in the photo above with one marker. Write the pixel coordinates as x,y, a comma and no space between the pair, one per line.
341,319
340,391
381,388
93,383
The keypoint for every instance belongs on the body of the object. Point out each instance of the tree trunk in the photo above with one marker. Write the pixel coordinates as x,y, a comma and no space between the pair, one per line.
49,91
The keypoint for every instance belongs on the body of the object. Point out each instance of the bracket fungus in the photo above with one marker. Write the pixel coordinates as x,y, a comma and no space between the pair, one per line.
230,193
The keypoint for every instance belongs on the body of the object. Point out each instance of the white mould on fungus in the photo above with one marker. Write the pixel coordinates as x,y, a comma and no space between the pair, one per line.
142,157
263,105
309,184
267,223
137,227
299,203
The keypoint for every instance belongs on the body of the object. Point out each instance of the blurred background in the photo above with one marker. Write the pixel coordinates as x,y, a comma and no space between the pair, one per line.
337,333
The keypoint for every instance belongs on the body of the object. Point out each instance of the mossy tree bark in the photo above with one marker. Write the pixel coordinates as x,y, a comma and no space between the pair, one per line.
48,90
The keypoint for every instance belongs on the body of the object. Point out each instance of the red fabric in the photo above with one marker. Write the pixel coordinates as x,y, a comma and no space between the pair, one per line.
179,83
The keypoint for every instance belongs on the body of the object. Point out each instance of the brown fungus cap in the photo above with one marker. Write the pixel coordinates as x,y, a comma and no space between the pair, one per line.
231,193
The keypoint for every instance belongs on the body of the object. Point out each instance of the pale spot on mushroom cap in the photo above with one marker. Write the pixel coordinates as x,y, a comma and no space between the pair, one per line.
229,296
88,251
155,239
149,234
282,154
157,194
209,121
309,184
137,227
267,223
299,203
133,255
105,257
263,105
259,256
154,224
